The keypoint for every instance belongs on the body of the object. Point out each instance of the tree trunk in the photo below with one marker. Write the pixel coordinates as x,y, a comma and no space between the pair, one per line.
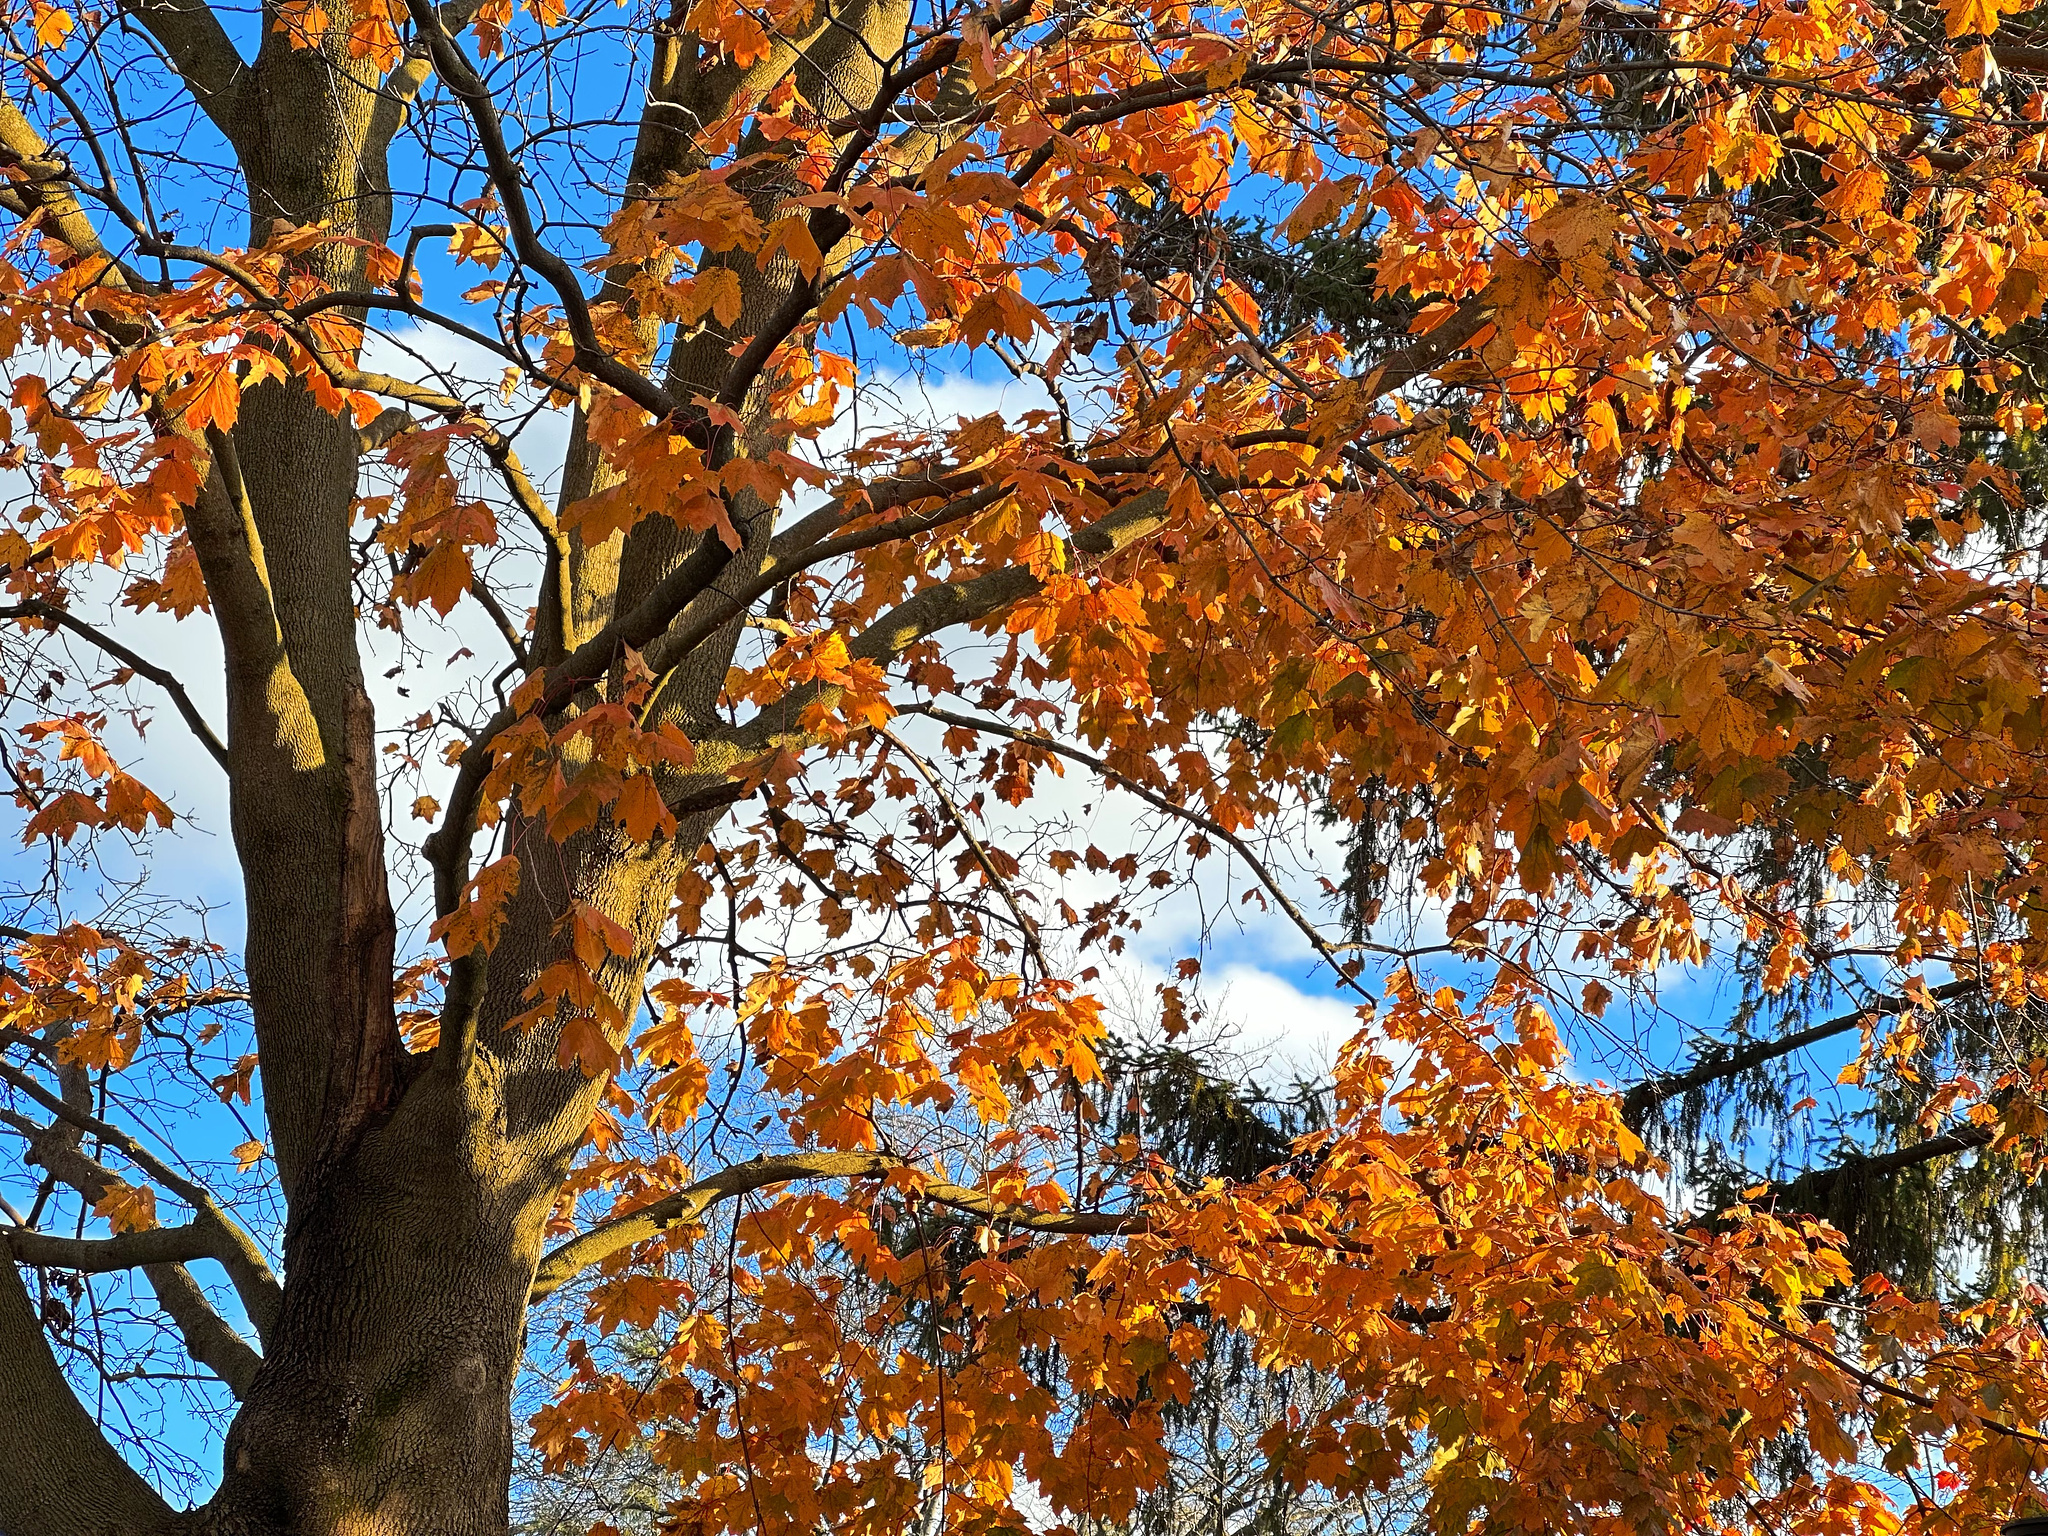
383,1407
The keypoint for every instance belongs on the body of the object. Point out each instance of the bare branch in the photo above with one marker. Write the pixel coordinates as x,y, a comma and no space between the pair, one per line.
591,357
104,1255
134,661
208,1337
982,856
202,53
1274,890
515,642
237,1252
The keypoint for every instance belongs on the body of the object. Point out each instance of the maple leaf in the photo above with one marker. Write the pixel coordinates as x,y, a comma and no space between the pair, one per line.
1519,292
480,243
1578,224
477,922
442,578
214,397
52,25
1972,18
63,816
640,810
597,935
127,1207
238,1084
584,1044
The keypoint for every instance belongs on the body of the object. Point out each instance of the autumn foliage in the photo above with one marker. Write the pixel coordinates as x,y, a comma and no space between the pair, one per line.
718,974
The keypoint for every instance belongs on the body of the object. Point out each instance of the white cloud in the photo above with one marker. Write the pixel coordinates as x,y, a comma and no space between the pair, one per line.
1298,1032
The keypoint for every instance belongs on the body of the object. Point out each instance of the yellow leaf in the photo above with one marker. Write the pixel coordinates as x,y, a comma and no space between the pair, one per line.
1603,432
1729,727
476,923
478,243
792,235
1519,295
1972,18
53,25
1579,223
127,1208
1318,206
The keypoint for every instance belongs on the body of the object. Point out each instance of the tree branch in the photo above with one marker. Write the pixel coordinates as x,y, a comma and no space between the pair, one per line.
967,602
688,1205
134,661
1433,348
646,627
407,79
1816,1185
1878,1383
236,1251
485,434
1638,1101
982,857
718,778
789,557
480,589
447,848
201,52
62,1478
590,355
208,1337
220,520
104,1255
1266,878
46,187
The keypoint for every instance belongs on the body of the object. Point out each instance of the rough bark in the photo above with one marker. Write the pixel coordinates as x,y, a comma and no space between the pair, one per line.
383,1402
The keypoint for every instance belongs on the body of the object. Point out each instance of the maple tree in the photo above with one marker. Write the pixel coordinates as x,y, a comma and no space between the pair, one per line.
714,970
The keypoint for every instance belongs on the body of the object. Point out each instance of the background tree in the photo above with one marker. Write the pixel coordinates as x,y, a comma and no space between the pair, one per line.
736,1001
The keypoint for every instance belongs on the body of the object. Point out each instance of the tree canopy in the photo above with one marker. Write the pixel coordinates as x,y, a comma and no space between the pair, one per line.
1574,466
